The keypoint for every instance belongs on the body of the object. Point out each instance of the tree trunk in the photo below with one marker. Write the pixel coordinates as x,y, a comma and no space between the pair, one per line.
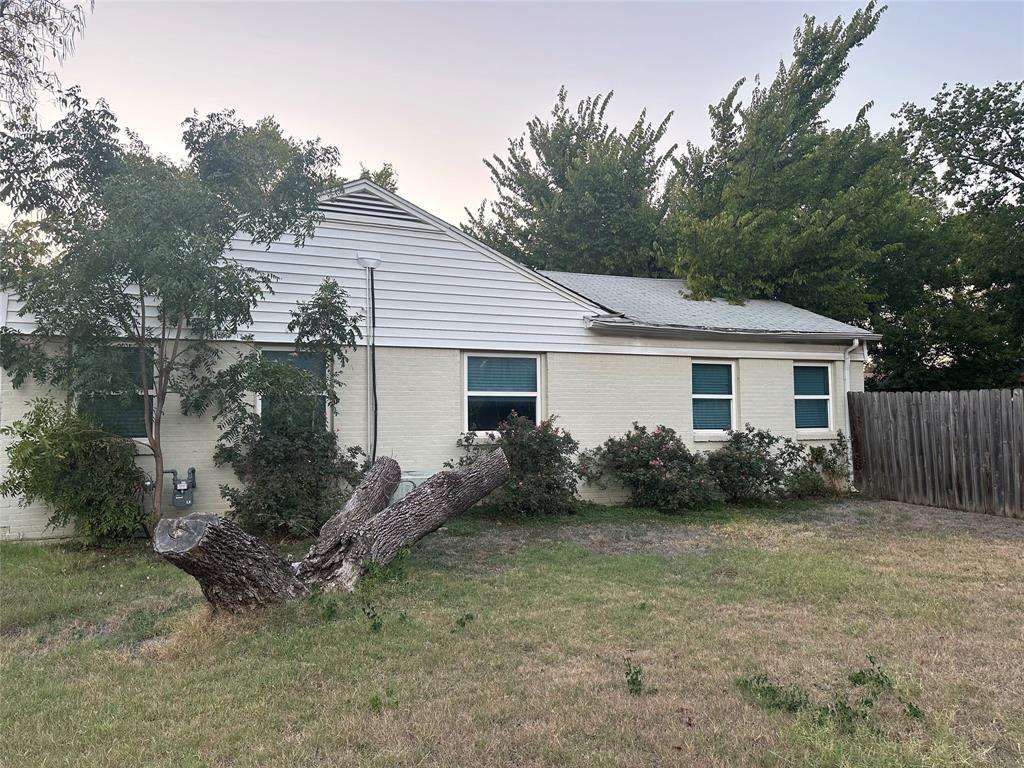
369,498
236,571
381,537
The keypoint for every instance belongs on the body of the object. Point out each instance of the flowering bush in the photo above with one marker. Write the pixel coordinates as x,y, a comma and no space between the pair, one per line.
757,466
657,468
542,477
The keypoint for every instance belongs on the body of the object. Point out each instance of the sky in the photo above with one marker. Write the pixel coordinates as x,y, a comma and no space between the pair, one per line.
435,87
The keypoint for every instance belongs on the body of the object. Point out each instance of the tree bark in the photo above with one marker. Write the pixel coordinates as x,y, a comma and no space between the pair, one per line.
381,537
237,572
369,498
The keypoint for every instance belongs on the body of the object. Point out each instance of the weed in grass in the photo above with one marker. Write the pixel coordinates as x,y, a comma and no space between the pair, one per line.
376,622
870,690
395,571
380,702
788,698
463,621
326,606
634,677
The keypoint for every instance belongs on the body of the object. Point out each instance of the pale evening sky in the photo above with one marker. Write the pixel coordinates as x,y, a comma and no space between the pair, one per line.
435,87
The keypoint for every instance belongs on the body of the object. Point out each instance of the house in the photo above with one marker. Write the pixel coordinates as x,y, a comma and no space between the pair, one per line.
464,334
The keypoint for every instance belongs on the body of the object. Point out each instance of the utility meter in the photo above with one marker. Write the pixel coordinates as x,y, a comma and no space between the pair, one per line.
182,488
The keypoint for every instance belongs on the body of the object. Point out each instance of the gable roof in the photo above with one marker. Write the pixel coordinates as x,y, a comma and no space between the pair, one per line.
369,198
659,304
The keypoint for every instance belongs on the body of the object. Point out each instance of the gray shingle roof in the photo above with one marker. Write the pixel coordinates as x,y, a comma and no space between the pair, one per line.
658,302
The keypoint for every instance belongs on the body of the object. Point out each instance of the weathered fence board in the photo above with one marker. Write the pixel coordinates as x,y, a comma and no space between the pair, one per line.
963,450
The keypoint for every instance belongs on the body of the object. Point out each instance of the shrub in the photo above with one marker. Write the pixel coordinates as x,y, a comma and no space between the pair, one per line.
86,476
751,466
756,466
542,477
295,476
655,466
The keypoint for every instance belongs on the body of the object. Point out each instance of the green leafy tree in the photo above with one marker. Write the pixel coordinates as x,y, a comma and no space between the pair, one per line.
575,194
33,35
782,206
123,258
971,334
286,452
386,176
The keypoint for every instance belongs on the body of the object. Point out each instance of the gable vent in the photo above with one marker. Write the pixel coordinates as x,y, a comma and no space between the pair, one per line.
364,205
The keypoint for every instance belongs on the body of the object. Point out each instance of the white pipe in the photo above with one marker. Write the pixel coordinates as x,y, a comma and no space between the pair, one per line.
846,411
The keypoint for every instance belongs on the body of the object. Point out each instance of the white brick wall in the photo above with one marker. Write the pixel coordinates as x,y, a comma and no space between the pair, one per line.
420,392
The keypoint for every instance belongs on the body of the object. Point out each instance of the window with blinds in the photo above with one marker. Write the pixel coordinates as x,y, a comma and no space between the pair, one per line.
121,413
313,408
497,386
712,396
813,398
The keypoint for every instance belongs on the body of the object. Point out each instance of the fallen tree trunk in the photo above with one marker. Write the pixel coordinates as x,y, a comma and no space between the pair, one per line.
369,498
422,511
238,572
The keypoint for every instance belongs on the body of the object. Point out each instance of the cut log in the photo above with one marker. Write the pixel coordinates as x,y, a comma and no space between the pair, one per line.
424,510
369,498
237,572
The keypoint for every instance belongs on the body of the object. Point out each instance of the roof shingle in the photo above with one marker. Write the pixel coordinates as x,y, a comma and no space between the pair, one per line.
663,302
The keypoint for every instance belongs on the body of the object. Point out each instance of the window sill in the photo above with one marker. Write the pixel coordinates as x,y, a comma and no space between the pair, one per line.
710,436
816,434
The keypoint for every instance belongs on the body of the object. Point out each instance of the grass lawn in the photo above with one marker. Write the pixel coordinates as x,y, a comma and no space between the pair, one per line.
505,644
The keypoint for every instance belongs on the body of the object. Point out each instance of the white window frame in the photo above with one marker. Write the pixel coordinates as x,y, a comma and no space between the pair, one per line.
828,367
715,434
466,393
325,394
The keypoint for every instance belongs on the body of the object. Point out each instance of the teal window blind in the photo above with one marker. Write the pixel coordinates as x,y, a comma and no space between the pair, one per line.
497,387
712,396
811,392
810,380
502,374
121,413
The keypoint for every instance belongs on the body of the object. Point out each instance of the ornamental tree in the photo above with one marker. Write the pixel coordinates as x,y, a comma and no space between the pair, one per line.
122,258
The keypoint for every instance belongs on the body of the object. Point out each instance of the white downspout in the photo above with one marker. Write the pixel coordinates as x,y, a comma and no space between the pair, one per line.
846,411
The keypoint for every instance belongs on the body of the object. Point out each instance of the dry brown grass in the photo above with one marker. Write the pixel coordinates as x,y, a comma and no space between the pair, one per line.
537,676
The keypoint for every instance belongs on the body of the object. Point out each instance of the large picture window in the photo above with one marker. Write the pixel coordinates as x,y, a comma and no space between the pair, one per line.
812,396
121,414
496,385
713,397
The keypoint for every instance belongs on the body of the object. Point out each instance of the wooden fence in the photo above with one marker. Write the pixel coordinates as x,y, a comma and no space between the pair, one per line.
963,450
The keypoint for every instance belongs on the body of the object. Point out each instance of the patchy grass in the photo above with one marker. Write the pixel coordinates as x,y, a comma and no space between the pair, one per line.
615,637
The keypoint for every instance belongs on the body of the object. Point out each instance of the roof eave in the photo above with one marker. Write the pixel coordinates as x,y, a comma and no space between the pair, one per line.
623,326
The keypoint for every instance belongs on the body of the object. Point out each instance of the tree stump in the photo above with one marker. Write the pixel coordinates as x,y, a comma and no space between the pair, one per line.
237,572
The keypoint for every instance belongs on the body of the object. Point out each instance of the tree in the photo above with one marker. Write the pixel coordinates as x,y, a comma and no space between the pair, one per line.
123,259
286,453
780,206
33,34
575,194
973,138
386,176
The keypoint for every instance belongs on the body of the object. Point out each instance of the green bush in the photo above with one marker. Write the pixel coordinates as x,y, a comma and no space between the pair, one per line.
294,473
655,466
542,478
755,466
86,476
